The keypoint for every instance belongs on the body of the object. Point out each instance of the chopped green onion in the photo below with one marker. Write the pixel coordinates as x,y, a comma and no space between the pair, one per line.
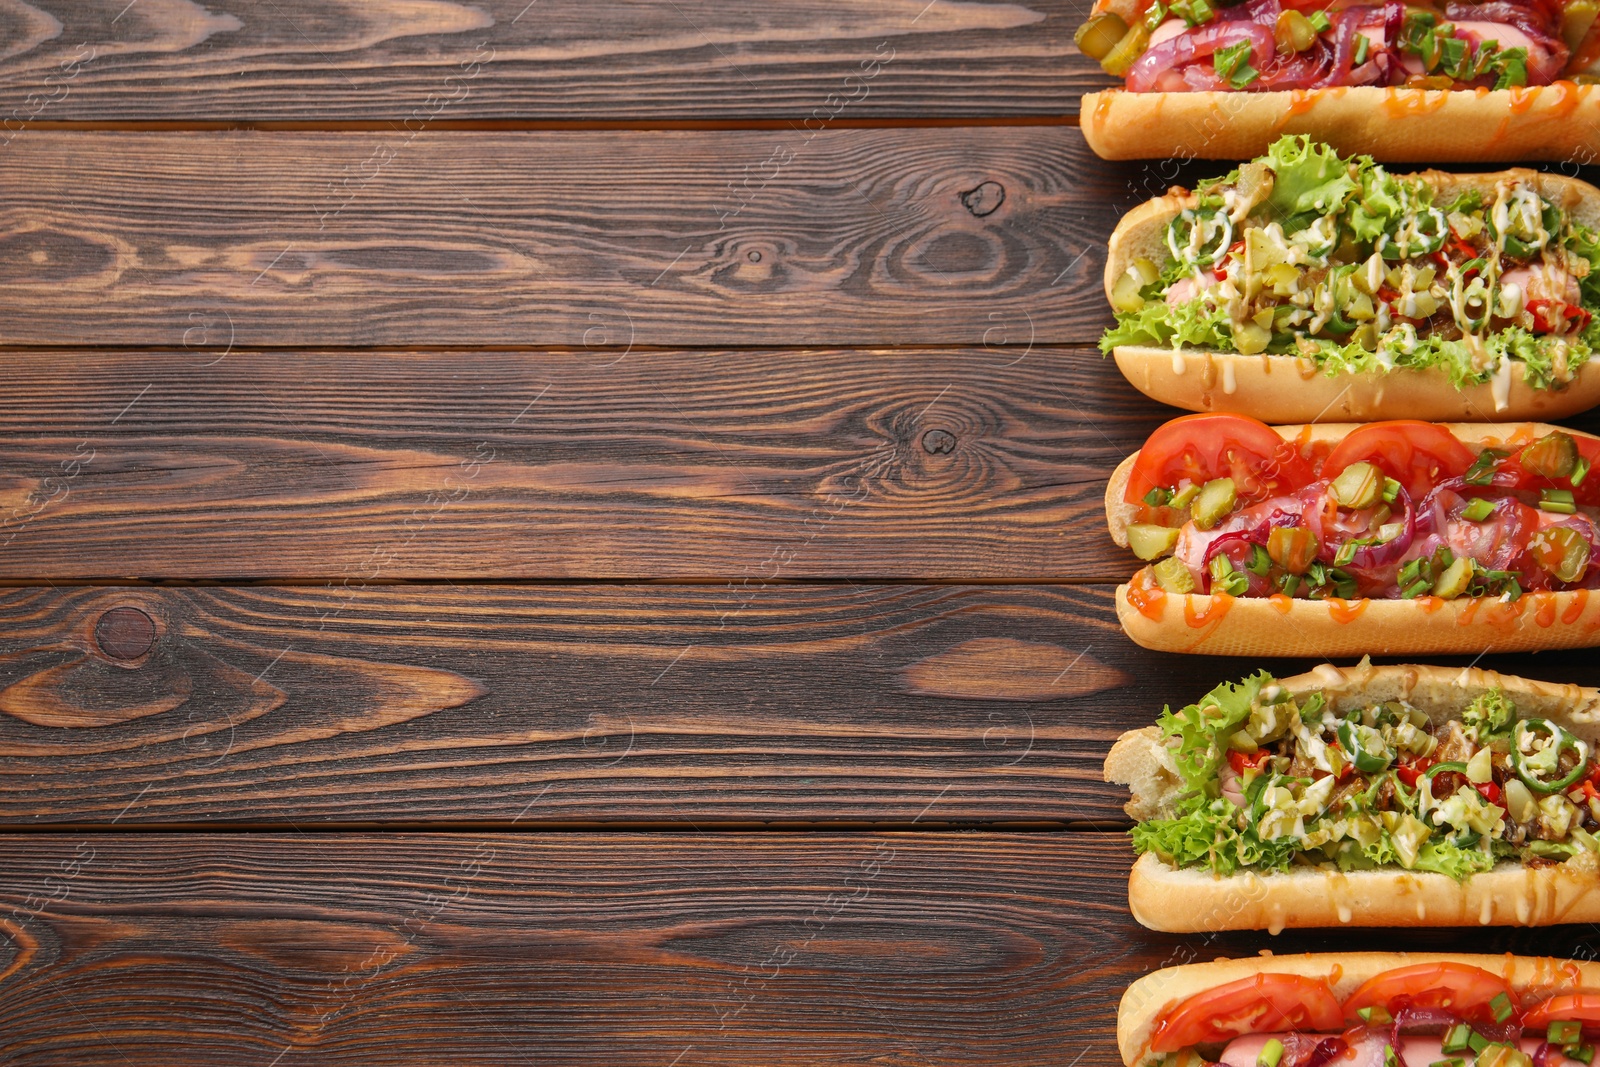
1158,497
1477,1042
1363,46
1391,489
1288,583
1458,1038
1260,563
1501,1006
1581,1053
1346,554
1478,509
1580,471
1411,572
1416,589
1455,1062
1320,21
1557,500
1271,1053
1377,1015
1565,1032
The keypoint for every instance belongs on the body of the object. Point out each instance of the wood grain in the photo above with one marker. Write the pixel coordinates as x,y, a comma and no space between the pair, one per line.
681,706
617,240
591,949
560,706
750,465
632,60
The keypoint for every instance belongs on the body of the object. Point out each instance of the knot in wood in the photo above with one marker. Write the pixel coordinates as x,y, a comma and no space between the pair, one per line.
938,442
125,633
984,199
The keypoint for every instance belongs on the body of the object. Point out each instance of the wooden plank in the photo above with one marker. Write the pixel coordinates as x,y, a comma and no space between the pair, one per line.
681,706
373,466
591,949
634,60
695,706
934,236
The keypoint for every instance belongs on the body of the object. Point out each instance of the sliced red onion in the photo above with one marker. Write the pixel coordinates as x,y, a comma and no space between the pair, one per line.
1265,12
1524,17
1498,545
1300,71
1394,20
1414,1020
1200,43
1332,536
1431,513
1327,1050
1344,42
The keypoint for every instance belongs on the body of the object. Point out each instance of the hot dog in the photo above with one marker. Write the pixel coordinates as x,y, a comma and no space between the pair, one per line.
1304,286
1388,538
1370,796
1450,80
1364,1009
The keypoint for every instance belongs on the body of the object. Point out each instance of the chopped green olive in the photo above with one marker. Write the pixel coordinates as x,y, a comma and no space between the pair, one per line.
1172,574
1117,61
1151,541
1553,455
1097,37
1184,496
1453,582
1215,500
1294,32
1358,486
1250,338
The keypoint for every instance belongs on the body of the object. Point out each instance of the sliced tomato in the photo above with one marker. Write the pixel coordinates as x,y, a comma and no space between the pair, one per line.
1198,448
1262,1004
1456,987
1418,455
1585,492
1572,1007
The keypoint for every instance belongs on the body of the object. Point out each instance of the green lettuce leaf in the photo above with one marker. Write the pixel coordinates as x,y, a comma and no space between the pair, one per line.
1379,206
1444,857
1203,728
1205,834
1195,324
1492,713
1308,176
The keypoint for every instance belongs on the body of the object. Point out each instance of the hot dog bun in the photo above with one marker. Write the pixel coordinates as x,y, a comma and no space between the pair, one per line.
1188,900
1152,997
1278,626
1291,389
1560,121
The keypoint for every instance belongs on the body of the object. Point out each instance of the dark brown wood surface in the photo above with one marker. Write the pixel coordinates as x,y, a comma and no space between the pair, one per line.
744,465
961,236
655,448
767,704
744,950
434,61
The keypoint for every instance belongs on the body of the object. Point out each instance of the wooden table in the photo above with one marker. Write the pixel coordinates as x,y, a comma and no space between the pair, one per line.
567,533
